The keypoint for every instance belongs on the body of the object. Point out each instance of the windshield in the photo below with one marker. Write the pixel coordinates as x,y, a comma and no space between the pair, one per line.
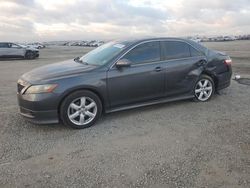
102,54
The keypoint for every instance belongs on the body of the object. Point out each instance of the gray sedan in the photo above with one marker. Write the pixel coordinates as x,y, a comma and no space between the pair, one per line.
122,75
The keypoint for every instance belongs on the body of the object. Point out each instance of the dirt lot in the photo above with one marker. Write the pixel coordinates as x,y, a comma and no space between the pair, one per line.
180,144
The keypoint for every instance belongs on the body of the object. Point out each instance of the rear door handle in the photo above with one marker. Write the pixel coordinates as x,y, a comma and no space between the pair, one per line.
158,69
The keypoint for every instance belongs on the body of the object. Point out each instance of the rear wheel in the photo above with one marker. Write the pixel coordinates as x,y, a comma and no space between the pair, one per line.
29,55
204,88
81,109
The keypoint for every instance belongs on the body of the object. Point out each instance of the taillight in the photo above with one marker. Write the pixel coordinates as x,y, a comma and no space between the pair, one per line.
228,62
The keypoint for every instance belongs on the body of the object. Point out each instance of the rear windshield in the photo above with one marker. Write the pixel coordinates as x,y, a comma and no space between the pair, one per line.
198,46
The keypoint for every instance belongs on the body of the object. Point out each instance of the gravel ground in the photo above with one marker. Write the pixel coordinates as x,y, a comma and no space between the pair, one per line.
179,144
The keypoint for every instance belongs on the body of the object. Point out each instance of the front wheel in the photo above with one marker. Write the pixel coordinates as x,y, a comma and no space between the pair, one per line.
29,55
81,109
204,88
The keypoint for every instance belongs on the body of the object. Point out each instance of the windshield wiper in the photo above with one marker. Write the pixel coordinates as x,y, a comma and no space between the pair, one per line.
83,62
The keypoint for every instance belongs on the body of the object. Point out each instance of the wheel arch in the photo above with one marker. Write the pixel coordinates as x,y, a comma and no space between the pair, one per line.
92,89
26,51
213,76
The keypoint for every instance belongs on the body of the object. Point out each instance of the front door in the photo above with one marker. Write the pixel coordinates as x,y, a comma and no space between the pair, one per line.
144,79
16,50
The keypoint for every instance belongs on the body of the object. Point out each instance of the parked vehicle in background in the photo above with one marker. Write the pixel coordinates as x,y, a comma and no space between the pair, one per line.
121,75
36,45
94,43
13,50
85,43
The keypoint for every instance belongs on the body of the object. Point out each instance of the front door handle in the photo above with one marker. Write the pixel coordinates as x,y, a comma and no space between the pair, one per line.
158,69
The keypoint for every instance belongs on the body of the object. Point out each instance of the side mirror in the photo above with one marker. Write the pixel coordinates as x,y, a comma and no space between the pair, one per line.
123,63
76,59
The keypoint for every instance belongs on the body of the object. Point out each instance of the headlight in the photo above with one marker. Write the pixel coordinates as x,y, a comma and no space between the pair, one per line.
47,88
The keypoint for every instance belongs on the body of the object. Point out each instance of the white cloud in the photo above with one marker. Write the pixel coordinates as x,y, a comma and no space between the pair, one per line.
22,20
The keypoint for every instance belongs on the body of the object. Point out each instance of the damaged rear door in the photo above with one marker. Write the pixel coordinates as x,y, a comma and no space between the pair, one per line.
183,64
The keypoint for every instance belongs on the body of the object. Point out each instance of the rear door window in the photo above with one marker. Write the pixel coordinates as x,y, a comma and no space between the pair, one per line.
194,52
144,53
175,50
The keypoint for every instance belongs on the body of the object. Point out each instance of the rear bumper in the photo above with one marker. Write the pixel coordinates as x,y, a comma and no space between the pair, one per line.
224,80
39,108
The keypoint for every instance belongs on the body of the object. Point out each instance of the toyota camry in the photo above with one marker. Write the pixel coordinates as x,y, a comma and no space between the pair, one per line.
121,75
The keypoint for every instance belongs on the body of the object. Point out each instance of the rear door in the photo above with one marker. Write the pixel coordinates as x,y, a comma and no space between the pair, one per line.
4,49
144,79
183,65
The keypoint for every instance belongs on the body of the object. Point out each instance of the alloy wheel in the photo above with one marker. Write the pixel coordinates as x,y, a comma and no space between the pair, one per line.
82,111
203,89
29,55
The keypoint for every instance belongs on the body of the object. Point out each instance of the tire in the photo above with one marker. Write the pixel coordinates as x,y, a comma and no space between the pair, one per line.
204,88
29,55
80,109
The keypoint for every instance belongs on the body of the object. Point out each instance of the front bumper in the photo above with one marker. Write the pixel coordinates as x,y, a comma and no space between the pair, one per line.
39,117
39,108
36,53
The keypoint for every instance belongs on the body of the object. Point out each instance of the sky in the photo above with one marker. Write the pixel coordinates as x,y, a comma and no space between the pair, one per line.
51,20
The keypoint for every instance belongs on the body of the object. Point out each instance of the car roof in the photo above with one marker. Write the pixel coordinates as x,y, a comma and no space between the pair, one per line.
136,40
133,41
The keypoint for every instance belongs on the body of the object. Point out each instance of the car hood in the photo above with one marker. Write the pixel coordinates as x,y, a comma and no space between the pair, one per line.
28,47
56,70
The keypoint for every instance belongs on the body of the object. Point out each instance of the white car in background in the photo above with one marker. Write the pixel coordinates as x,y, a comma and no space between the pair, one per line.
36,45
13,50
